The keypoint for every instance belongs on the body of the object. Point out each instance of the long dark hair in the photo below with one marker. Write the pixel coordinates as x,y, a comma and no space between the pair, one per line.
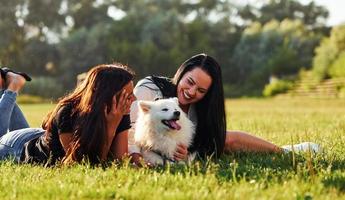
89,100
211,127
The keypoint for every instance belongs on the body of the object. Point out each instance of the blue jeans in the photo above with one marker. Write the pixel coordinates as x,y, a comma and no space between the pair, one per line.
12,143
11,117
13,120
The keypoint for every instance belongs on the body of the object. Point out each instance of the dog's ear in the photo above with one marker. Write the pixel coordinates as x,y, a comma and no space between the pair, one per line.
144,105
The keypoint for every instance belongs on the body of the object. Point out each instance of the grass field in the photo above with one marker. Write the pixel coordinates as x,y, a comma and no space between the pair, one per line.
235,176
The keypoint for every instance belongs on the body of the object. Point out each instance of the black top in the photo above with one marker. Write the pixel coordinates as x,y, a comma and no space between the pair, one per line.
165,85
38,150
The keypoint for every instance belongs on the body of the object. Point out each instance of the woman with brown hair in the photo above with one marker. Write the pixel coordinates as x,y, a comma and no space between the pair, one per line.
90,123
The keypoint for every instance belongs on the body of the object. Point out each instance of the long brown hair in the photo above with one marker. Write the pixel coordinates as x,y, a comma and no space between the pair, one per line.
89,101
211,116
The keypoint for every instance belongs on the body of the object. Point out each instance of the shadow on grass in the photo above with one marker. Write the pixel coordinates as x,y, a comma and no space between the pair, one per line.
336,181
254,166
239,166
264,168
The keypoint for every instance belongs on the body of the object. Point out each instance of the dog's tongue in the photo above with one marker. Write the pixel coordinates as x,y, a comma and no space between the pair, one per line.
174,124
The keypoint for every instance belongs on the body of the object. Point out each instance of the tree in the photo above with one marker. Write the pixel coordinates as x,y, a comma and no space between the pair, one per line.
66,37
87,13
155,37
12,31
329,59
82,50
40,57
275,48
312,15
44,15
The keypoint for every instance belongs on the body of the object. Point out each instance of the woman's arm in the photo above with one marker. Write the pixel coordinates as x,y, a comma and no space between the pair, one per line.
66,140
113,117
119,146
110,135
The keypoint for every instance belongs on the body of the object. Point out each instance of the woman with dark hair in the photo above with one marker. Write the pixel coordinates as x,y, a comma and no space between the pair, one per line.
90,123
199,88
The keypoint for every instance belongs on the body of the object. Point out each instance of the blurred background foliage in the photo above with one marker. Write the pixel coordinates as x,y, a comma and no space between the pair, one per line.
55,40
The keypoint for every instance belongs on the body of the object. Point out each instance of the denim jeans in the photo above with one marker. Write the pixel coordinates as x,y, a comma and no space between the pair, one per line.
11,117
14,131
12,143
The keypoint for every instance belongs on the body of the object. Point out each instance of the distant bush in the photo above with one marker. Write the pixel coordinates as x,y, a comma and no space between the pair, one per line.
45,87
325,55
337,69
329,56
277,87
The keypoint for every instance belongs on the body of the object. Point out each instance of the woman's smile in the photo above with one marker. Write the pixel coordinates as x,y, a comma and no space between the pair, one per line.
193,86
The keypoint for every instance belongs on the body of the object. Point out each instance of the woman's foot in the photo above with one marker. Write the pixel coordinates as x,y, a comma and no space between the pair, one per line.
14,81
6,70
302,147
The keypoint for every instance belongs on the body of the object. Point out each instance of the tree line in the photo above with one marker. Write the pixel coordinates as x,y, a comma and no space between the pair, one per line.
55,40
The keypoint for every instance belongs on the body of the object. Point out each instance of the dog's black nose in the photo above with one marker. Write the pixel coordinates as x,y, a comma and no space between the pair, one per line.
177,113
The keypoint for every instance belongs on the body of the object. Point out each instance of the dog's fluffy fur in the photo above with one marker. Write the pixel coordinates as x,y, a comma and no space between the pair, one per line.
162,125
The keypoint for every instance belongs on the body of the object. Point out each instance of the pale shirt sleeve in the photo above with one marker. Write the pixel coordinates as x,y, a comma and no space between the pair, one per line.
141,92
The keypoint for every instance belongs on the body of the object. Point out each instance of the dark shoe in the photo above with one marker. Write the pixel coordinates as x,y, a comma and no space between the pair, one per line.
5,70
2,73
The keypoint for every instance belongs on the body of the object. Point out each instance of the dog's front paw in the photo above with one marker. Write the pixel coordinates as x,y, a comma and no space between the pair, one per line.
153,158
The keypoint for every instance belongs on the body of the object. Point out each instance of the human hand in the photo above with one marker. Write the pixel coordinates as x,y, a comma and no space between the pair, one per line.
181,152
119,107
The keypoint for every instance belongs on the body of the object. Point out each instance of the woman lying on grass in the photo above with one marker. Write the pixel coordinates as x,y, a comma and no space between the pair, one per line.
199,88
90,123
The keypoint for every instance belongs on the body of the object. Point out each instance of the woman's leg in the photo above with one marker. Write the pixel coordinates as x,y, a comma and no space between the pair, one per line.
8,108
17,121
7,102
242,141
12,143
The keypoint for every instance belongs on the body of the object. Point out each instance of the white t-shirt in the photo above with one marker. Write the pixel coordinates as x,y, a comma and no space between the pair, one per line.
145,89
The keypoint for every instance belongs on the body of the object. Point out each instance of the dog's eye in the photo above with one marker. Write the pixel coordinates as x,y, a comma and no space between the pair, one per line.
165,109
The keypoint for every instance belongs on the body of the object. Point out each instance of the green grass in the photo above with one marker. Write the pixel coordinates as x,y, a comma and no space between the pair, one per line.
235,176
35,113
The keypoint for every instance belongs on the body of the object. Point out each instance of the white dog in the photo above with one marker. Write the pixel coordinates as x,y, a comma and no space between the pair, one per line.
162,125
